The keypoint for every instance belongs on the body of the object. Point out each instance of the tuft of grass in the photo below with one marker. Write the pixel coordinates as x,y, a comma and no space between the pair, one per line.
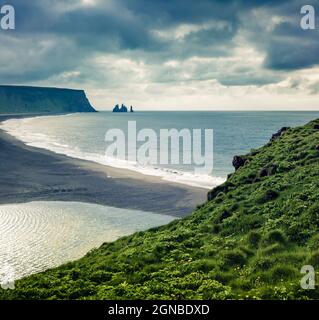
314,259
254,238
234,258
273,237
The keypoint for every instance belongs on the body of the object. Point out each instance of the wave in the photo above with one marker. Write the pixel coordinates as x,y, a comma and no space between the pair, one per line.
15,127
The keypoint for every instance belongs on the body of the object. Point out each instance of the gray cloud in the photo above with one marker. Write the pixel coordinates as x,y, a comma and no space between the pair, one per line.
57,37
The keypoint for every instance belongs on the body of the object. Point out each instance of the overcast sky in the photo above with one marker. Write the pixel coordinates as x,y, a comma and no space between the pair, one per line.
167,54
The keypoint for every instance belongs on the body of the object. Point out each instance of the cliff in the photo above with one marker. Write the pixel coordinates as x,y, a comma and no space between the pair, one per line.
23,99
249,241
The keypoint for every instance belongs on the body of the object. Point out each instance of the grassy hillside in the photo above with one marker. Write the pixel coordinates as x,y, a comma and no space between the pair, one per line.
249,241
22,99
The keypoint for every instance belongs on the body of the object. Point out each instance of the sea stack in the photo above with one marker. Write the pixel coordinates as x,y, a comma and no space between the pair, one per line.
118,109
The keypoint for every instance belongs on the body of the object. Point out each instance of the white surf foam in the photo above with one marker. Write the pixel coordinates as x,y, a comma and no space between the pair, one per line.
18,129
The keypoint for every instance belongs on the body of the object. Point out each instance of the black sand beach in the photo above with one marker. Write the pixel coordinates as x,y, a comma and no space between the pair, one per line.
32,174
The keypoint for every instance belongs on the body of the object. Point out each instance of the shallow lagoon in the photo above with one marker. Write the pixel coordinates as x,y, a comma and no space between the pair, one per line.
39,235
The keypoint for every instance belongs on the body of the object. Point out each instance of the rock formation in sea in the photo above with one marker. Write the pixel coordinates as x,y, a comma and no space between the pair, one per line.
118,109
25,99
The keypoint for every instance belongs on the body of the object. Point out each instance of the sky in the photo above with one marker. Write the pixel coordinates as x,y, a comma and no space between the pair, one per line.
167,54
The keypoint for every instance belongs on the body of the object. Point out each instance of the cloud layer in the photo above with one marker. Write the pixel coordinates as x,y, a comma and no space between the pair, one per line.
203,54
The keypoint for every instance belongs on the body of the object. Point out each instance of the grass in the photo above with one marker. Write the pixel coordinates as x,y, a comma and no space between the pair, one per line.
248,242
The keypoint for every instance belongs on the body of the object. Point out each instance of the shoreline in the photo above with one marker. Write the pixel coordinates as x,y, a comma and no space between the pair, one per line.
34,174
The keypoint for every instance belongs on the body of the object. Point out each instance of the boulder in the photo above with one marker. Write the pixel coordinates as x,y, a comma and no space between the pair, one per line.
267,171
219,189
238,162
270,195
279,133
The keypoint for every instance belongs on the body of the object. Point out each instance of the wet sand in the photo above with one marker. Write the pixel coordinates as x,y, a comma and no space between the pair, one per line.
33,174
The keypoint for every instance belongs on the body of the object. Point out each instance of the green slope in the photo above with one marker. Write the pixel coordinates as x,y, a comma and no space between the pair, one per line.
249,241
23,99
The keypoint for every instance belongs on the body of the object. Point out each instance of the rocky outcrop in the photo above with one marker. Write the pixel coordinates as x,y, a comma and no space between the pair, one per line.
238,162
118,109
267,171
219,189
279,133
23,99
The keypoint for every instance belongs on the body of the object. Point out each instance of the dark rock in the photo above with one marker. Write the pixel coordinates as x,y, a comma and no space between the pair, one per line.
254,152
213,193
263,172
267,171
270,195
216,228
317,147
118,109
229,175
279,133
238,162
216,191
221,217
316,126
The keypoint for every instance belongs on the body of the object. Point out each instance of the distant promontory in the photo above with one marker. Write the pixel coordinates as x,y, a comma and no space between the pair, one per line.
25,99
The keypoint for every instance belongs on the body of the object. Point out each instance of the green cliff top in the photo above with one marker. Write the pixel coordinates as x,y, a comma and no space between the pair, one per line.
24,99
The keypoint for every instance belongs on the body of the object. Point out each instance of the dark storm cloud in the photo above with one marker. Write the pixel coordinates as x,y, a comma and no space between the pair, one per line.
287,46
62,35
290,48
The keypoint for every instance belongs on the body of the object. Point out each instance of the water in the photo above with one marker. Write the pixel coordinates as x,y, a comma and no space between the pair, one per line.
82,136
40,235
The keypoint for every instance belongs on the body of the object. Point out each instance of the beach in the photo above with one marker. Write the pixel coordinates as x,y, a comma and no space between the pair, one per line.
33,174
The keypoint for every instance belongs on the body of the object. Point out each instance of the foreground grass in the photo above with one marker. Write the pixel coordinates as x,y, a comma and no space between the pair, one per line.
249,241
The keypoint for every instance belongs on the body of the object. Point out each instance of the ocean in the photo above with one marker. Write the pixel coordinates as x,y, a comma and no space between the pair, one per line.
83,136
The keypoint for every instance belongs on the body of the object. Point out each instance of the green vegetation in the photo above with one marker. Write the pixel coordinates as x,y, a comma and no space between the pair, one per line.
20,99
248,242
